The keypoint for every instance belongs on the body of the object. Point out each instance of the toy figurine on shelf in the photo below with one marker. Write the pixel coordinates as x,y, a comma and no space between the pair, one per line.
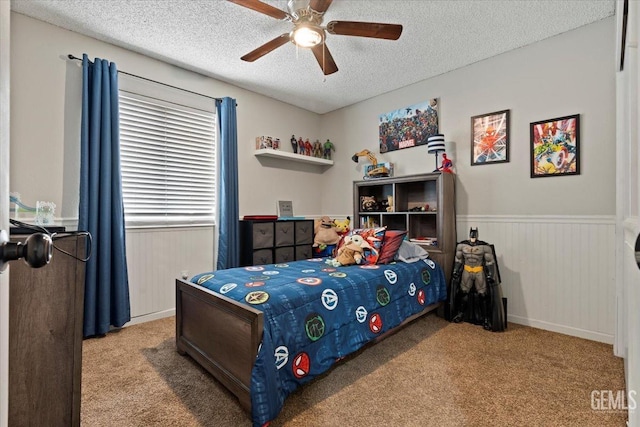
327,148
300,146
308,148
294,144
317,149
447,164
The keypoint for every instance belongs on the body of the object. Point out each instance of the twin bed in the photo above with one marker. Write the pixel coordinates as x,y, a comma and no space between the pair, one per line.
263,331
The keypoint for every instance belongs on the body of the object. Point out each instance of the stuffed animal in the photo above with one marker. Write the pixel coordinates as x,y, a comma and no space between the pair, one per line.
342,226
368,203
351,252
325,233
390,204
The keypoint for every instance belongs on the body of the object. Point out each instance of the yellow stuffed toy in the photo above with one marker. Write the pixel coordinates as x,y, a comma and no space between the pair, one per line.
342,226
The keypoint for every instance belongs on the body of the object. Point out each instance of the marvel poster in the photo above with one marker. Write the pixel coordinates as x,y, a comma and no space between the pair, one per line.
408,127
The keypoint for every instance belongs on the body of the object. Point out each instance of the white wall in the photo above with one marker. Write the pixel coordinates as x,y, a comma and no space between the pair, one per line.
554,236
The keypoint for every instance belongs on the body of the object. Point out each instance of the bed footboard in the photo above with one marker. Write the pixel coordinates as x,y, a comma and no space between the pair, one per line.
220,334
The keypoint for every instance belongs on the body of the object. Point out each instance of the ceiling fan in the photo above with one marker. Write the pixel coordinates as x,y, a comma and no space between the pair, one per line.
308,32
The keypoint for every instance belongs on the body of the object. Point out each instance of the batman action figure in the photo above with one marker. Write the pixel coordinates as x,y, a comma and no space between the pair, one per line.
475,267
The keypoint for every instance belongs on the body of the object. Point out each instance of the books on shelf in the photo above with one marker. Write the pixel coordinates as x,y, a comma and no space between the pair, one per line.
369,222
431,241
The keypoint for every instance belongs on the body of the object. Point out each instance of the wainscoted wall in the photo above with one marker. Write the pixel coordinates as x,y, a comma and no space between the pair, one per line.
155,258
558,272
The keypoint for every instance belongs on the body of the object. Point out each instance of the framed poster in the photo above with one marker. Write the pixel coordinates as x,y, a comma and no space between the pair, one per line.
555,147
408,127
490,138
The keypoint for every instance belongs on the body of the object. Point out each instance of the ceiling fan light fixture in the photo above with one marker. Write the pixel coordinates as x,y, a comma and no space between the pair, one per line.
307,36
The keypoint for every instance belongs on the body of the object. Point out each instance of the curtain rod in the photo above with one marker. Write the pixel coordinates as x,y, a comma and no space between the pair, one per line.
70,56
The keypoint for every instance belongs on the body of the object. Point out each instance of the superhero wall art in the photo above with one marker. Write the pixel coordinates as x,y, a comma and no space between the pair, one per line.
490,138
408,127
555,147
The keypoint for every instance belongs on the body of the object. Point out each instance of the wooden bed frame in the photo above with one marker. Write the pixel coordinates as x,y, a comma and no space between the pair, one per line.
223,335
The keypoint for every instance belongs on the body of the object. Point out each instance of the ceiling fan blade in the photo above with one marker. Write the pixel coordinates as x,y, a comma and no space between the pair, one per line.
261,7
324,58
365,29
266,48
320,6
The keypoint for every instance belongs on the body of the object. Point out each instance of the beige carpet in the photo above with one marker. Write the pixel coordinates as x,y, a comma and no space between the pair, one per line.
431,373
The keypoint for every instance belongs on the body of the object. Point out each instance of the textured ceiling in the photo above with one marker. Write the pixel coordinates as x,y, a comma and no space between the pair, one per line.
210,36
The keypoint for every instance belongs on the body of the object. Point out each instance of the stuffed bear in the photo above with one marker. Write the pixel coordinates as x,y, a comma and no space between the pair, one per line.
351,252
325,233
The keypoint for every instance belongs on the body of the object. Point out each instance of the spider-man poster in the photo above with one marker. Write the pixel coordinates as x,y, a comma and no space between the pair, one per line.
490,133
408,127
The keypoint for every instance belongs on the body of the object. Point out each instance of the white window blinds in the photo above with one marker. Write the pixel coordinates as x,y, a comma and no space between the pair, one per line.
168,162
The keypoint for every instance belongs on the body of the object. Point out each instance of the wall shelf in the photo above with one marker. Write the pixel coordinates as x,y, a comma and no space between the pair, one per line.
268,152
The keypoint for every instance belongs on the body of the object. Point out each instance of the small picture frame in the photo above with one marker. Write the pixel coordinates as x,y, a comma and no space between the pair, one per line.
285,208
555,147
490,138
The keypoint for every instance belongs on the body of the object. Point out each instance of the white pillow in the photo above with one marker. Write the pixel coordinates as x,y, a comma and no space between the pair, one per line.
410,252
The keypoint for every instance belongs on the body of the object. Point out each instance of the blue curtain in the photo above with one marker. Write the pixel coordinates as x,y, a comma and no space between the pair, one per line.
228,225
101,212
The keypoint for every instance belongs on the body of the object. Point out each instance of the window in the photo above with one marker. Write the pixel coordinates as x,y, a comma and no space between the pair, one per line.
168,162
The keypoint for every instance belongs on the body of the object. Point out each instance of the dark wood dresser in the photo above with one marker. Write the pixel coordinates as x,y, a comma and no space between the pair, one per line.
45,338
272,242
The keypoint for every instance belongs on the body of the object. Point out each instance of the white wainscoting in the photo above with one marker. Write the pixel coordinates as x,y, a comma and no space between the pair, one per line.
558,272
155,258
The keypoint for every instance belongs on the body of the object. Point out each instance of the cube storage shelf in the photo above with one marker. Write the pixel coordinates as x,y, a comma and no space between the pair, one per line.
424,205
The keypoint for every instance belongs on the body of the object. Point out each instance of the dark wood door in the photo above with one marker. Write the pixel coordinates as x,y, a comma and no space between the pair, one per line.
45,339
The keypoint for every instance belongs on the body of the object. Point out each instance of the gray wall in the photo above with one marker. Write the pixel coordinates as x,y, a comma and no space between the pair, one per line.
572,73
547,231
45,120
568,74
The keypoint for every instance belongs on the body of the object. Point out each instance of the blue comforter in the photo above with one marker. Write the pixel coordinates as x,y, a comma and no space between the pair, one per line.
315,314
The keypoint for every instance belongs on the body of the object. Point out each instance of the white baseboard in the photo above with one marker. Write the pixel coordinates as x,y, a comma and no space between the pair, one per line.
152,316
566,330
